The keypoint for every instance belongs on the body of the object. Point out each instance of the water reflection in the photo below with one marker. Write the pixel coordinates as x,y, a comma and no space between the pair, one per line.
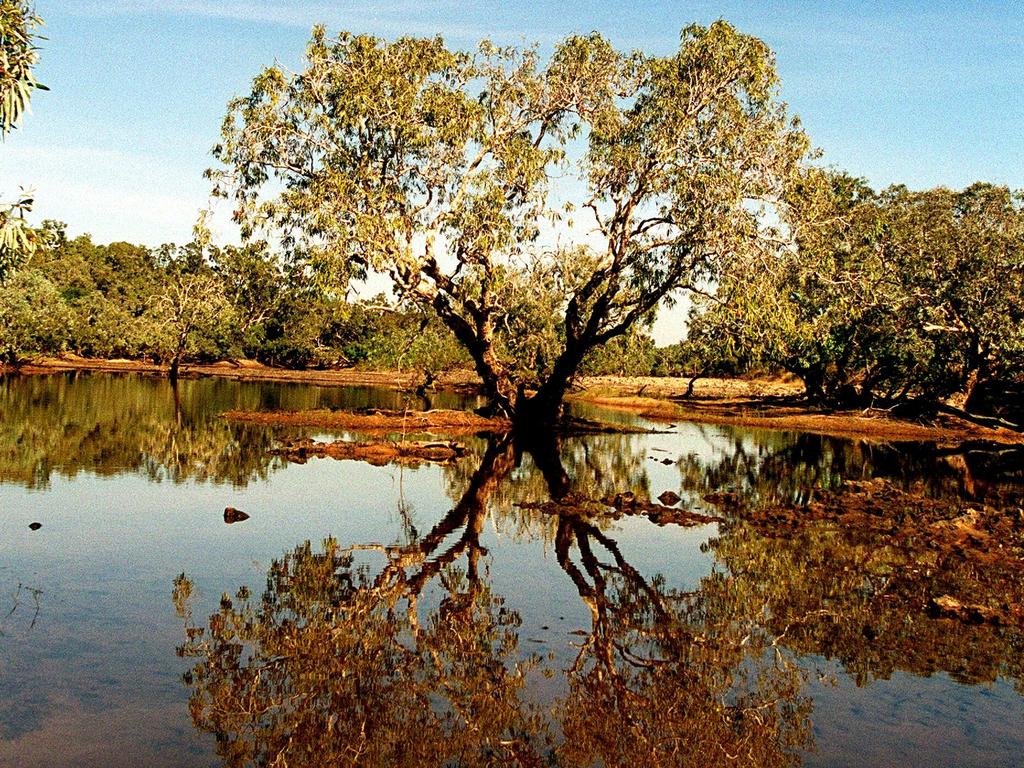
419,662
773,467
347,661
333,665
868,586
341,663
107,425
497,611
666,677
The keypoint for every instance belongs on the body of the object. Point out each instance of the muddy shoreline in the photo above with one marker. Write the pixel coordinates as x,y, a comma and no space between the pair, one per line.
768,403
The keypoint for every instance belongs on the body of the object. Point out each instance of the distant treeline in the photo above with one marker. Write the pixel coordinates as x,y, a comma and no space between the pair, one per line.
896,298
884,299
174,304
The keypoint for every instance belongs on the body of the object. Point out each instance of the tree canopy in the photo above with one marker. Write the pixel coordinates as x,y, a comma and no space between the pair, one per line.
436,168
888,295
18,57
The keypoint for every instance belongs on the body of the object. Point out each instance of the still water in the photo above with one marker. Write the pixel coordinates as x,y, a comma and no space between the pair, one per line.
454,615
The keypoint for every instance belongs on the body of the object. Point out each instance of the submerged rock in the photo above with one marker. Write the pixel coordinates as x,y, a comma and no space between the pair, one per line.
670,498
232,515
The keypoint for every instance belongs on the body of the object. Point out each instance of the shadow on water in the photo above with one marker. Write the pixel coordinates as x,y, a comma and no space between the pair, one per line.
406,655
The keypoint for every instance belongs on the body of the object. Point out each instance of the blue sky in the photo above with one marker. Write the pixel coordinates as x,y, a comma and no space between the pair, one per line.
922,93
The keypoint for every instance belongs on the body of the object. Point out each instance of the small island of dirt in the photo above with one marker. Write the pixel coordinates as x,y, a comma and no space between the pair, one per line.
378,421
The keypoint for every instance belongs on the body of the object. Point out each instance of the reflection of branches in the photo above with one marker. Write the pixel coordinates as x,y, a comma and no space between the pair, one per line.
664,677
335,664
856,579
680,673
768,468
34,593
344,664
328,669
468,514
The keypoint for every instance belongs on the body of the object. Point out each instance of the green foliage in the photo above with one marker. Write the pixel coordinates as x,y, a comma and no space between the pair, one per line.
32,316
434,167
18,57
189,315
632,354
105,291
17,239
887,296
122,300
401,338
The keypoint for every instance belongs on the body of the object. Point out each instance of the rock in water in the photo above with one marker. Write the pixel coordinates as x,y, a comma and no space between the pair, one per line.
670,498
232,515
34,526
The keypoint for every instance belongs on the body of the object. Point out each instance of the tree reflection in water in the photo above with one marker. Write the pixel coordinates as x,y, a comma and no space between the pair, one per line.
338,664
772,467
856,571
671,678
107,425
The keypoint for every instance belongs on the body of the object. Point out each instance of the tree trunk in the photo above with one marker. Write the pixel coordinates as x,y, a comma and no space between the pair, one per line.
175,363
542,411
693,380
971,399
538,413
814,384
498,387
977,374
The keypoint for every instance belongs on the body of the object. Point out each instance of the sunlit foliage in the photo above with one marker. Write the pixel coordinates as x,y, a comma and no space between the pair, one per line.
434,167
19,27
889,296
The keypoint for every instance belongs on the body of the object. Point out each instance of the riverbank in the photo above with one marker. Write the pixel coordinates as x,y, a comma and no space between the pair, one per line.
766,403
877,426
249,370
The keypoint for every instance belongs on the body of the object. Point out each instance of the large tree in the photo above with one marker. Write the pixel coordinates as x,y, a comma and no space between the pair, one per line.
438,169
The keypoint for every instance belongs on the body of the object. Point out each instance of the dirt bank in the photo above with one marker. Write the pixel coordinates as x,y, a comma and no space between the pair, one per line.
377,420
945,429
666,387
249,370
